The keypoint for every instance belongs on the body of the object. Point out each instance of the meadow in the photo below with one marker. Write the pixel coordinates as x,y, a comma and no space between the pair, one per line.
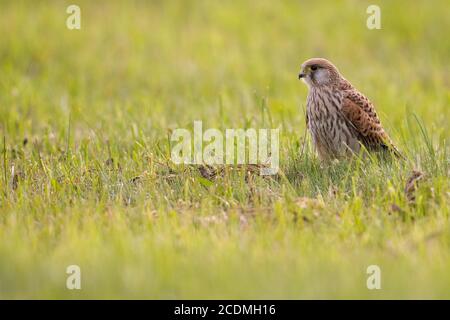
87,179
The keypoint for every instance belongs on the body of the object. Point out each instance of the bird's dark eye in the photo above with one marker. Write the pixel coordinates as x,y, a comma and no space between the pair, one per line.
314,68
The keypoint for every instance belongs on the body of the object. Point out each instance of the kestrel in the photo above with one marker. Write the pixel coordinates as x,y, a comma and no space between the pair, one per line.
339,117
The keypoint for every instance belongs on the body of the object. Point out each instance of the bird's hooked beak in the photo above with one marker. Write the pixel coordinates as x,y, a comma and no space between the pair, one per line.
302,74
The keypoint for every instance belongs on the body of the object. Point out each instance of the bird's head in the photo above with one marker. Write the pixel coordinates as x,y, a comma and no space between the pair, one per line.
317,72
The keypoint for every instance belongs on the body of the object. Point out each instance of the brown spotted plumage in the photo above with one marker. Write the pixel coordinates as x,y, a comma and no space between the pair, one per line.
339,117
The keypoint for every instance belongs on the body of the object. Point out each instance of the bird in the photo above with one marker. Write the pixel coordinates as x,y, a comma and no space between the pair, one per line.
341,120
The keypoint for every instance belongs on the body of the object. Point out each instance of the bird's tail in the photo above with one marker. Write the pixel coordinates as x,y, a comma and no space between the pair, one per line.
395,151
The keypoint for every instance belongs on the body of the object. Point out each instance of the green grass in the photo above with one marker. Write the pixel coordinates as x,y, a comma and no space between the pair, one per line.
136,70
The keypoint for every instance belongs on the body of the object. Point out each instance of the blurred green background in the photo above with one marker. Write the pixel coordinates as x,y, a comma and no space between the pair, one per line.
86,176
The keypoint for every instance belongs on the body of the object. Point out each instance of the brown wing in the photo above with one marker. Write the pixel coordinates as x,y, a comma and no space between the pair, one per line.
361,114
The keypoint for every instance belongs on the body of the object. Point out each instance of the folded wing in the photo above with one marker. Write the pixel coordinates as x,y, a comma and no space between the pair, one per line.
361,115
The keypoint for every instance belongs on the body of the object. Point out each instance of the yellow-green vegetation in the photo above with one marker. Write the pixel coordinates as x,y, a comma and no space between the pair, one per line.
86,176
